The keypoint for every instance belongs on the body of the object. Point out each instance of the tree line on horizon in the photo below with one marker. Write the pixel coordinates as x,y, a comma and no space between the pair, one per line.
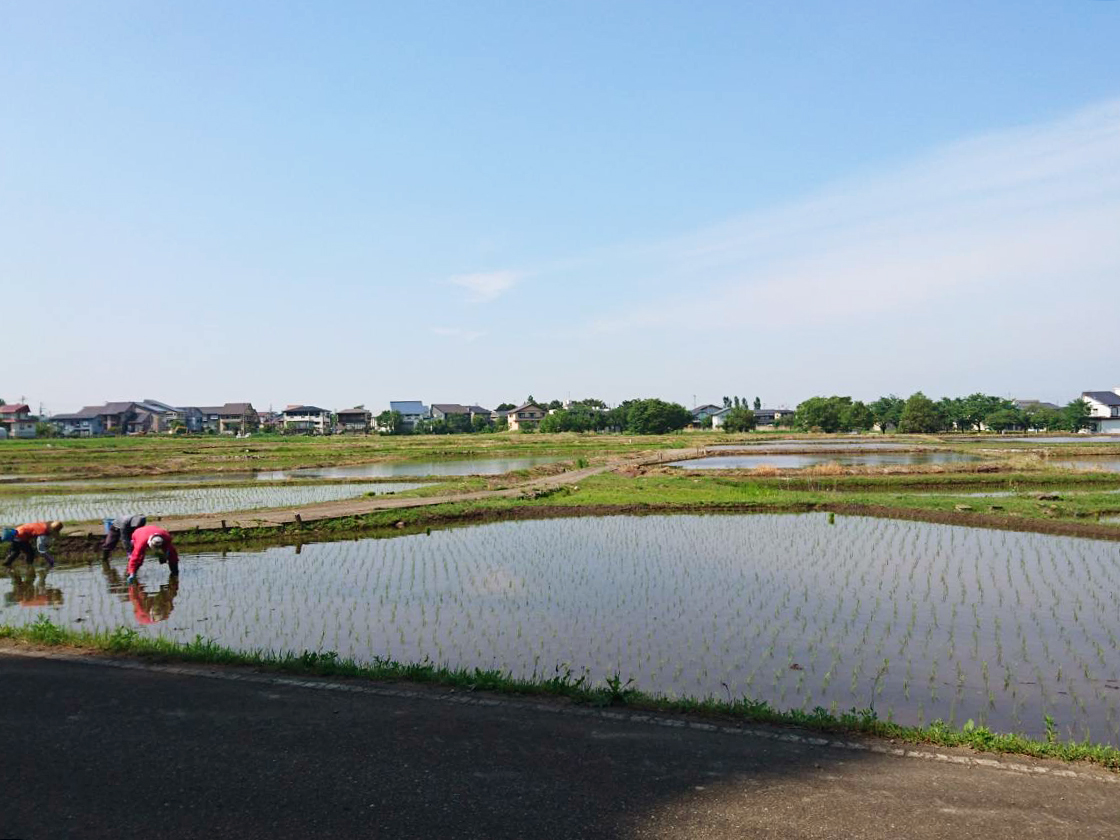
922,415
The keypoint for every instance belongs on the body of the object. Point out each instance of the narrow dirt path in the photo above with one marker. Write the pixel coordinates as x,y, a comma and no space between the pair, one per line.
271,517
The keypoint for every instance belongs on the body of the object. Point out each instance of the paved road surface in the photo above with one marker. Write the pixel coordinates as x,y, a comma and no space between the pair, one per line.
92,751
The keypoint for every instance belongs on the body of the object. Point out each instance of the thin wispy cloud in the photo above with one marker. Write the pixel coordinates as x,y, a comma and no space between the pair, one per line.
458,332
995,215
487,285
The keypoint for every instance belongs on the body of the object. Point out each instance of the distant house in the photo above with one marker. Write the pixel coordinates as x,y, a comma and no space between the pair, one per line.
1104,410
441,411
17,422
170,418
411,412
84,423
770,416
354,420
703,412
762,416
525,417
306,419
228,419
111,418
269,421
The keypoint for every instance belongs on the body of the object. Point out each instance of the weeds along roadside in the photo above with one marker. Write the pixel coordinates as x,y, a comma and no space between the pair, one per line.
613,692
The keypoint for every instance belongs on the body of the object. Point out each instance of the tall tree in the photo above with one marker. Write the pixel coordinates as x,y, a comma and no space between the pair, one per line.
920,415
1076,415
823,414
857,418
757,404
739,420
887,411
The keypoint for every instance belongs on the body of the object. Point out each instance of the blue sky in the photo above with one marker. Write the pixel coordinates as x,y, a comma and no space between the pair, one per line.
340,203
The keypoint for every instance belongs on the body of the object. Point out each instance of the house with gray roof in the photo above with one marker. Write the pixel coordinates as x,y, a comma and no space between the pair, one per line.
231,418
306,419
355,420
411,412
1104,410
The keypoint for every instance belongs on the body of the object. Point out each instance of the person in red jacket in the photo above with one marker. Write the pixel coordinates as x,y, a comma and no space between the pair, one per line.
158,540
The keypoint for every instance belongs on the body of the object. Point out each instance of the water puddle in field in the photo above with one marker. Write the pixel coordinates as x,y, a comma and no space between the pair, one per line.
388,469
791,461
83,507
842,443
921,621
395,469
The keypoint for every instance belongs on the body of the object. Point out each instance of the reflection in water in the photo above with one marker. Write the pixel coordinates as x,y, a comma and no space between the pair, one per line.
395,469
29,589
156,606
148,607
787,461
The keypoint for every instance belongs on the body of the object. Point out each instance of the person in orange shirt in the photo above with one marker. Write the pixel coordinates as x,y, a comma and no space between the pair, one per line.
41,533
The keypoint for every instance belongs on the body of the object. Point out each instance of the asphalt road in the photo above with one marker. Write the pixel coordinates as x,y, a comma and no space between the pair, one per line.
92,751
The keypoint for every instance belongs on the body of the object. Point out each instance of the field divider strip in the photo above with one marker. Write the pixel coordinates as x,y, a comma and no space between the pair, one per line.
323,684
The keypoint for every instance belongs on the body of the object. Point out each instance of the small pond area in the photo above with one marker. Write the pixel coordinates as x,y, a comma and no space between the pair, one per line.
81,507
395,469
385,469
839,443
921,621
792,461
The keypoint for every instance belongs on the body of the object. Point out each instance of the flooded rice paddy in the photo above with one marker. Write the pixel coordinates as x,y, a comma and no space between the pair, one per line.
791,461
81,507
386,469
919,621
842,443
395,469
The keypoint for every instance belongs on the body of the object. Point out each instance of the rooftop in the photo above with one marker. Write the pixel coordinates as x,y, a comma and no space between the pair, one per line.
1103,397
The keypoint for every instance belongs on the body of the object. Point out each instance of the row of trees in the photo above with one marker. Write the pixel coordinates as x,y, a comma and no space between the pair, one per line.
741,402
920,414
639,417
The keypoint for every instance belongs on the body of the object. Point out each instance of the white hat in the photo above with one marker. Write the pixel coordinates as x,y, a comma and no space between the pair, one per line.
155,541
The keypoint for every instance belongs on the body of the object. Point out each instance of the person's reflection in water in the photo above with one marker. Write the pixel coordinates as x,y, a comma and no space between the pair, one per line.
115,580
30,589
150,608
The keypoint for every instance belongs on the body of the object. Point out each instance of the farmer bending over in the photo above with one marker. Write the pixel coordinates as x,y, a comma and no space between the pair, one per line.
22,536
120,530
159,541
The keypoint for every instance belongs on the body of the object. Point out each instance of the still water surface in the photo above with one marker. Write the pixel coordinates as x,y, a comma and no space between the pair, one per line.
790,461
82,507
922,621
394,469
